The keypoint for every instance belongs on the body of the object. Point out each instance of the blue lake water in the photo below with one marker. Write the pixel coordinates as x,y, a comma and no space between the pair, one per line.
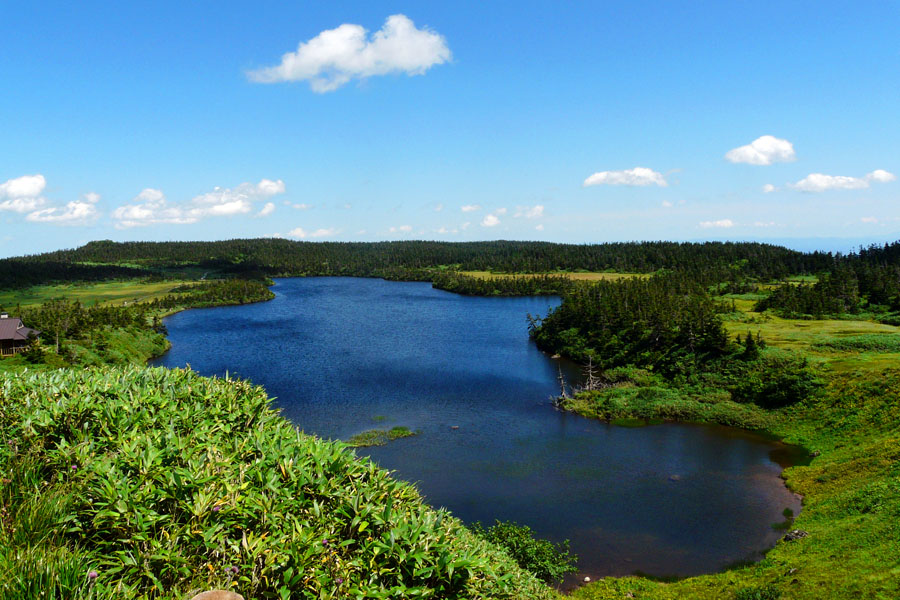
344,355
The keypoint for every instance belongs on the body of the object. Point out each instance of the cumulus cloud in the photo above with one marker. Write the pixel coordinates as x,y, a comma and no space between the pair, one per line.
23,194
151,207
529,212
881,176
490,221
721,223
337,56
764,150
638,176
299,232
401,229
818,182
768,188
78,212
868,219
266,210
539,227
470,208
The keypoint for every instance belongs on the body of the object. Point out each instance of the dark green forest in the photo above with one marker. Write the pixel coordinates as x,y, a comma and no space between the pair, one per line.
709,261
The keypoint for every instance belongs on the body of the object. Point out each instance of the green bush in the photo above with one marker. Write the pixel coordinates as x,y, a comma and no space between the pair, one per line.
767,592
774,381
548,561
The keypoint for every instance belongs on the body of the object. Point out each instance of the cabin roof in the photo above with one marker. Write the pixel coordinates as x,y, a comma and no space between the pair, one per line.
12,328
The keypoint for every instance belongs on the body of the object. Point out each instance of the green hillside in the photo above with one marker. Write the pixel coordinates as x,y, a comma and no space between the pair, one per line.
161,482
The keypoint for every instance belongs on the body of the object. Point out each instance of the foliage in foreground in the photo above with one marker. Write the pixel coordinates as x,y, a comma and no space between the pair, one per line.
548,561
164,482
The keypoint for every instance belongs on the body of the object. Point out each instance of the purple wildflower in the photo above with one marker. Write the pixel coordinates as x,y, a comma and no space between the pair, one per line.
92,574
217,508
74,467
324,541
339,580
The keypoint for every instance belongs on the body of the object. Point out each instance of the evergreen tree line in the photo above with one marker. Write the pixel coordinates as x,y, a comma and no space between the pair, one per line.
515,285
666,323
852,286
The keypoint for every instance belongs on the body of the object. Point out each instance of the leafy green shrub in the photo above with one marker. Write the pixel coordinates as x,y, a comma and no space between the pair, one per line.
774,381
165,482
548,561
767,592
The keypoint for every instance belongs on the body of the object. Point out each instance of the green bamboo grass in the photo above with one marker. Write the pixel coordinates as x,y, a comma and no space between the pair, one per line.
163,482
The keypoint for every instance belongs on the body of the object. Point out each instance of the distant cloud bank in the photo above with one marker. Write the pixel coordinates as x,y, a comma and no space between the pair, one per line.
151,207
721,223
337,56
638,176
818,182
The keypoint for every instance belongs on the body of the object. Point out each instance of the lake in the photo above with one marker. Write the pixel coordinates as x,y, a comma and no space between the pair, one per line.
344,355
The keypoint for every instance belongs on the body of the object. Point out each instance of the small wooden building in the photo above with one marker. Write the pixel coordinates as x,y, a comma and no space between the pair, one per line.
14,336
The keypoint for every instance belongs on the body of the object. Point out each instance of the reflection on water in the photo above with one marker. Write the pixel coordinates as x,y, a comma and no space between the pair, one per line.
344,355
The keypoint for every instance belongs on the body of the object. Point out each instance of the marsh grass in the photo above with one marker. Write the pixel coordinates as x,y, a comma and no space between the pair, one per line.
89,293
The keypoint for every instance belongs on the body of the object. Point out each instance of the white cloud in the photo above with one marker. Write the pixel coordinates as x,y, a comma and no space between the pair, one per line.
401,229
763,150
23,194
768,188
299,232
868,219
490,221
638,176
667,204
465,225
78,212
266,210
500,211
529,212
539,227
150,207
336,56
881,176
470,208
818,182
301,206
722,223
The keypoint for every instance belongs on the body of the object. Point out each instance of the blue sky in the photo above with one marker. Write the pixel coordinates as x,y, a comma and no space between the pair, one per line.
578,122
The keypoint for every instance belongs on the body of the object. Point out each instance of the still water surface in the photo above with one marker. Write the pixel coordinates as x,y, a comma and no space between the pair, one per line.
343,355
